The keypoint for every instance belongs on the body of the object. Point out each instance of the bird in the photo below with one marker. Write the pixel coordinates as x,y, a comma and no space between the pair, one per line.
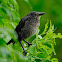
27,27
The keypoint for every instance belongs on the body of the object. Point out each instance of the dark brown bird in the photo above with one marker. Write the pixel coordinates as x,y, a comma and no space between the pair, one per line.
27,27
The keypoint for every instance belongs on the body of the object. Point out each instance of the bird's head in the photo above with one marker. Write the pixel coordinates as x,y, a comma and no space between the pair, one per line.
35,14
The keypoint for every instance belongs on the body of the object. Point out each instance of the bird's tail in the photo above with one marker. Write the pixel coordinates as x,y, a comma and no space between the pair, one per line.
11,41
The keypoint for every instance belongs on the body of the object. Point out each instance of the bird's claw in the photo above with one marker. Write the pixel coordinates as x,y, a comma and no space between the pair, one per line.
25,53
29,44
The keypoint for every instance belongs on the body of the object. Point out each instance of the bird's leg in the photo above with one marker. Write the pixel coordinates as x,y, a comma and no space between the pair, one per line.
23,48
27,43
11,41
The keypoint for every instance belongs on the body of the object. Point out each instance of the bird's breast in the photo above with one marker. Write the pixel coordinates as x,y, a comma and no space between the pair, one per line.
29,29
33,27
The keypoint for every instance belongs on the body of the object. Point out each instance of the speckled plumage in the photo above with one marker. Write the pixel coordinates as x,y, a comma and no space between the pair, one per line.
27,27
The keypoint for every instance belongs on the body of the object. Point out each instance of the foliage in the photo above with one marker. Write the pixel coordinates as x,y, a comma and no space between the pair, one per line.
43,45
9,18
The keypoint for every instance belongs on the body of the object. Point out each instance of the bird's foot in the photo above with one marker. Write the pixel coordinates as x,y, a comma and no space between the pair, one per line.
13,43
25,53
29,44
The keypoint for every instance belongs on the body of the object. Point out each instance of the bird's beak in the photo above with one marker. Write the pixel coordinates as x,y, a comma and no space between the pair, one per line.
41,13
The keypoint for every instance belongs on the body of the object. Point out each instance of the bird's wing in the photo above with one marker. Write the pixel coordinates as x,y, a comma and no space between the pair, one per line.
21,23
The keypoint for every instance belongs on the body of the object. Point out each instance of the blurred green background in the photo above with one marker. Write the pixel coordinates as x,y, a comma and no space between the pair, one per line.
53,10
